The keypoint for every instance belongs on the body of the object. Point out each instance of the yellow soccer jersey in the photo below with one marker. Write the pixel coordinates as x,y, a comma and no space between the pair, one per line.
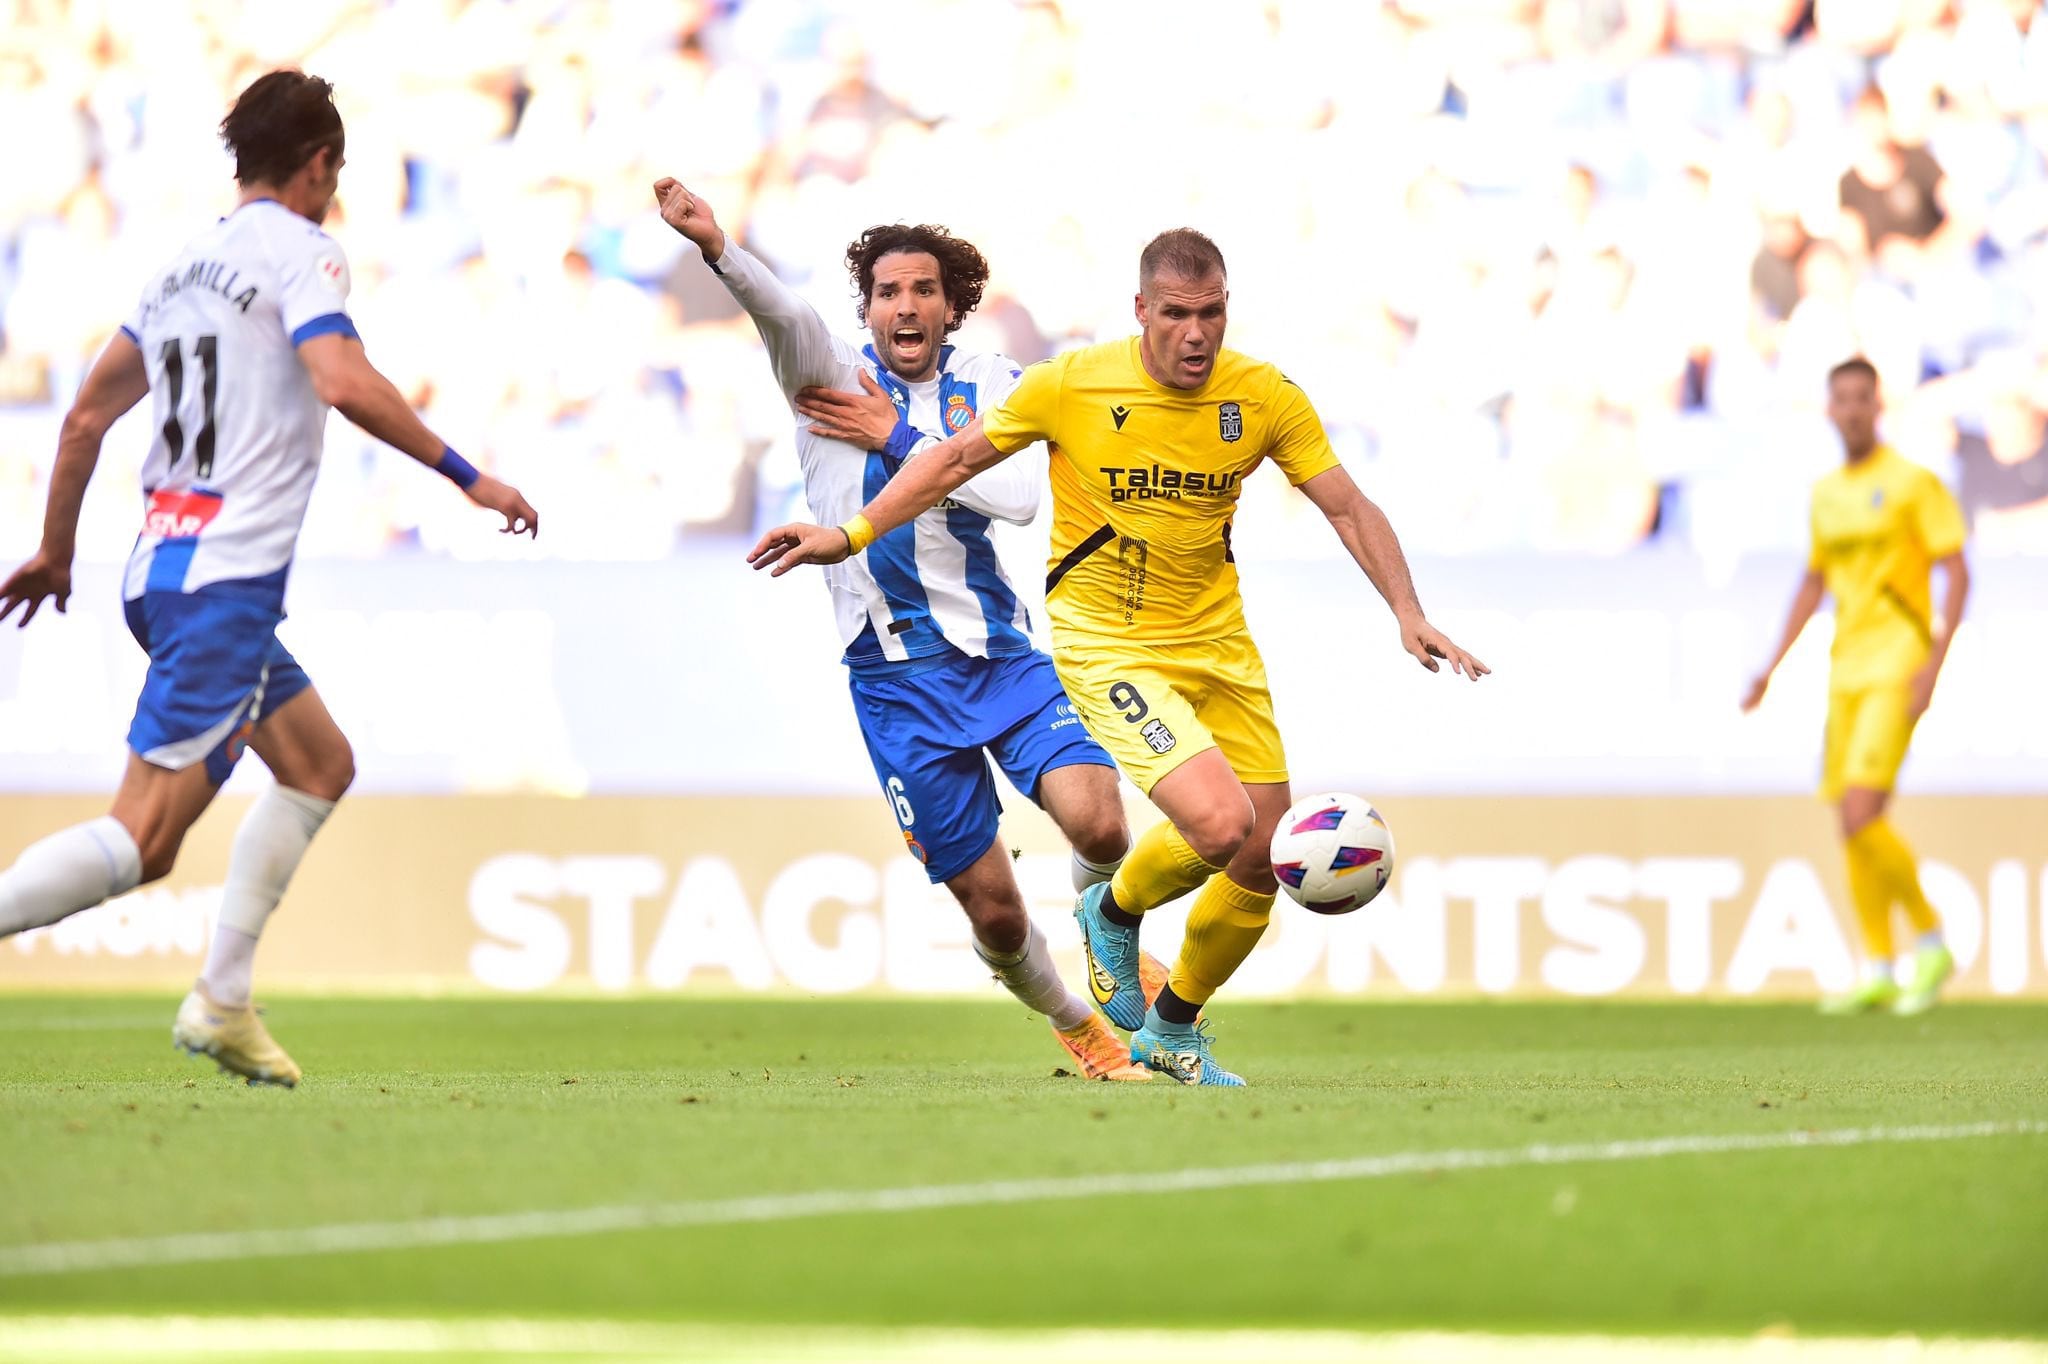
1878,527
1145,479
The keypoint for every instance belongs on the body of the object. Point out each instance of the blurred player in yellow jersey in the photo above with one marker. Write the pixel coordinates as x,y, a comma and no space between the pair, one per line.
1881,524
1151,440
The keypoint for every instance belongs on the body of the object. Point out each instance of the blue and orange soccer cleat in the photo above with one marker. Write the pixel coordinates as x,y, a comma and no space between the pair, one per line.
1111,956
1182,1053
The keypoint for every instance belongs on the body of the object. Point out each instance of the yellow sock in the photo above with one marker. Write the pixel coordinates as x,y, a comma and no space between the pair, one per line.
1872,898
1223,928
1161,866
1900,870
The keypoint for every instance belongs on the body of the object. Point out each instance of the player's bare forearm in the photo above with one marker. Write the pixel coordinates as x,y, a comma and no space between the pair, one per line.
346,381
928,480
918,486
1804,603
374,403
1368,536
1956,594
118,380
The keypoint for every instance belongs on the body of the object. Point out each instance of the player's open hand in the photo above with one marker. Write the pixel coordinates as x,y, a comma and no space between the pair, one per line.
501,497
1754,696
1429,644
689,215
36,581
786,547
865,419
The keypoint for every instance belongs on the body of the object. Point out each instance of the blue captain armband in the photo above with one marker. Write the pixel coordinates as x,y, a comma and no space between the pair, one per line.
457,470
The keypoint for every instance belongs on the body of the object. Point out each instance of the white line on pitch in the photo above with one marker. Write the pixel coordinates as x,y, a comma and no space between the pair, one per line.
63,1257
164,1340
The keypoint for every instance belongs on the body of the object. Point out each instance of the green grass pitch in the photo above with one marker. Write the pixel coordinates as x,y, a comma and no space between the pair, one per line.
452,1108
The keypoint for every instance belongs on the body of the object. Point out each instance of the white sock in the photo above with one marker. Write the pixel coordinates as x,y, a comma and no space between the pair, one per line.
274,836
1930,940
1088,873
1029,974
72,869
1877,970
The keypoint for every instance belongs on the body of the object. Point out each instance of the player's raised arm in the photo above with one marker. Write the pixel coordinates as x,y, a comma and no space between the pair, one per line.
799,344
1370,538
119,380
346,381
923,483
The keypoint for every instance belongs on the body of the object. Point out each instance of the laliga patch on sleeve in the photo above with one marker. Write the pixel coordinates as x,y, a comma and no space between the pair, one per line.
332,271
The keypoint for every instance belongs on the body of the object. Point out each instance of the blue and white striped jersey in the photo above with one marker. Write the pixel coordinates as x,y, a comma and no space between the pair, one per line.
933,590
238,427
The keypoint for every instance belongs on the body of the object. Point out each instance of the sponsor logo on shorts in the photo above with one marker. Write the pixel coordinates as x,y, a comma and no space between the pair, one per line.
1158,736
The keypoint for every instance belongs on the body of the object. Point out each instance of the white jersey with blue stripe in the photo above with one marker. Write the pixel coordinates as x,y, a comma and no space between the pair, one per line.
238,426
933,590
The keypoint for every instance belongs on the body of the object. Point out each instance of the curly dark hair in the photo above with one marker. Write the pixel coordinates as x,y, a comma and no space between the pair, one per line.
277,125
963,274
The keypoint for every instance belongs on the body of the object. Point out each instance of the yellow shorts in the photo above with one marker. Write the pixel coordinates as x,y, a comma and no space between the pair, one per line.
1868,730
1154,706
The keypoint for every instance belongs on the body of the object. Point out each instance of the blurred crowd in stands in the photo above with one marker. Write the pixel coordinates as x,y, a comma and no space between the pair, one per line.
1562,276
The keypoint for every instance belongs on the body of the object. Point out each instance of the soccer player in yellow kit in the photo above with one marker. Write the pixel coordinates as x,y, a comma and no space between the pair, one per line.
1151,439
1880,525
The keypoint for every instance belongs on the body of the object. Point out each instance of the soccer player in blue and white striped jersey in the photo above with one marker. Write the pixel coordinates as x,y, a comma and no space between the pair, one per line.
943,674
244,341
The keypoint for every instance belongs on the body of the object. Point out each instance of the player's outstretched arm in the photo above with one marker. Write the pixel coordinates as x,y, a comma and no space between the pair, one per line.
1805,602
1367,533
346,381
922,484
119,380
1010,491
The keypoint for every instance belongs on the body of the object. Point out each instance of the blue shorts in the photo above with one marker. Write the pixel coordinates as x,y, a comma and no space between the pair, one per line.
927,732
216,671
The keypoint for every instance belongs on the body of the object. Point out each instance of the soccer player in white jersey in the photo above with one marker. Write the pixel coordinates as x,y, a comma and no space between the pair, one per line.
244,342
943,675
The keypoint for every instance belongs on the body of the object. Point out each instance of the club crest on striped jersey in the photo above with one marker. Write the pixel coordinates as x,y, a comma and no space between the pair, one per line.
959,412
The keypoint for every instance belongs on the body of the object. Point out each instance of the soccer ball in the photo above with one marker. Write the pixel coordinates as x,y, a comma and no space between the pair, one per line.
1333,853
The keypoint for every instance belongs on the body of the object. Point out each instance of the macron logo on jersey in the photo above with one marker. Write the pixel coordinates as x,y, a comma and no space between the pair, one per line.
180,515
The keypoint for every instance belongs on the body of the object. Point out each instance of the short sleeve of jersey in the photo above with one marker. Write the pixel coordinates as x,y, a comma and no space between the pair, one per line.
1299,445
313,286
132,328
1938,519
1031,411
